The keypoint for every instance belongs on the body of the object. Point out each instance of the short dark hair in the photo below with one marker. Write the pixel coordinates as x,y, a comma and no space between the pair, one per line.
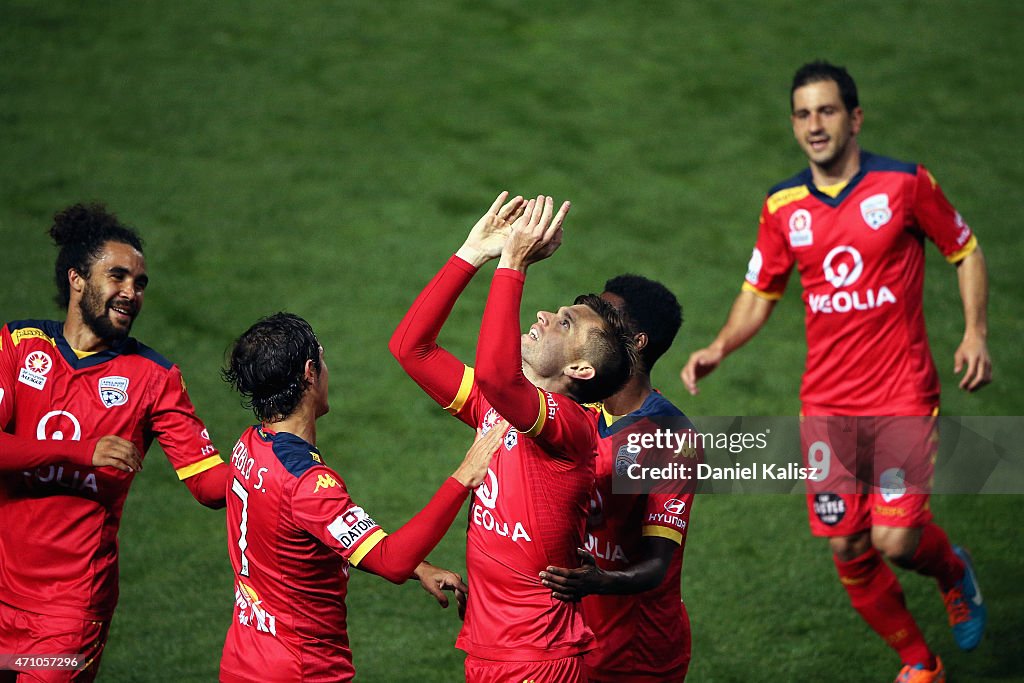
80,232
267,365
609,348
648,307
820,70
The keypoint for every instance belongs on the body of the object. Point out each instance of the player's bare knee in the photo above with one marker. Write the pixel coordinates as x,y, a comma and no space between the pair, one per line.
896,545
847,548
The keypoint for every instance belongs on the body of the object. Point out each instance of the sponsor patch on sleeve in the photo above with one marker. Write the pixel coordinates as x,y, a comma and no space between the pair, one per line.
350,527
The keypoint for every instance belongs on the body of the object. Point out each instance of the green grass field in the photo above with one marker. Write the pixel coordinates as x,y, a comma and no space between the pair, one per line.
325,158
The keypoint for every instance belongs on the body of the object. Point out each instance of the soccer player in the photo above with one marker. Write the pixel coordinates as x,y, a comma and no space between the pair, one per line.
634,556
635,608
95,398
293,530
530,512
854,223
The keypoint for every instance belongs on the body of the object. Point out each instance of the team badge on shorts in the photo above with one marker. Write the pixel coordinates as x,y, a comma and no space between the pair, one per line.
113,390
893,484
875,210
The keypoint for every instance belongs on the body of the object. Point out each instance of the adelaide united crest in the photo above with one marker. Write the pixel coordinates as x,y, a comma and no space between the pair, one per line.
875,211
113,390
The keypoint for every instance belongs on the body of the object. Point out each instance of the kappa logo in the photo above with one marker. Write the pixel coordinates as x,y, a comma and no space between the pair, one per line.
875,210
113,391
800,234
37,367
324,481
675,506
843,266
754,266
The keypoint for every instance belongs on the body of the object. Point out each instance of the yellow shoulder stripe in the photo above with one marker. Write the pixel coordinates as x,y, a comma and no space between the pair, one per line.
787,196
662,532
366,546
541,417
31,333
964,252
771,296
460,398
198,467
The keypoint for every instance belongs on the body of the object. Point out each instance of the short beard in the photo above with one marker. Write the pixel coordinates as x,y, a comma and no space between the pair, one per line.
99,323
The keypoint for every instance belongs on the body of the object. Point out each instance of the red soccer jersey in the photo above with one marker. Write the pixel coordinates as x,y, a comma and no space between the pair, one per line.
861,260
642,637
293,531
58,539
529,513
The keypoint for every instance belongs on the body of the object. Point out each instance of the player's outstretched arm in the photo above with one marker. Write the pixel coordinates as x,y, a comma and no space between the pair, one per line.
397,555
499,367
571,585
971,355
414,342
748,315
17,452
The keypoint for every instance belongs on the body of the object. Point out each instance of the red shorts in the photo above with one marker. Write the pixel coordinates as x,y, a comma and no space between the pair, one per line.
872,471
49,640
565,670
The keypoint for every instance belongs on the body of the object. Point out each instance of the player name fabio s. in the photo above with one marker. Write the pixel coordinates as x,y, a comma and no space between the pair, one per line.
768,471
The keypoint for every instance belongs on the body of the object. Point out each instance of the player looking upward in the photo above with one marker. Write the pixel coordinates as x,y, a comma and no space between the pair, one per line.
631,589
854,223
531,510
293,530
94,398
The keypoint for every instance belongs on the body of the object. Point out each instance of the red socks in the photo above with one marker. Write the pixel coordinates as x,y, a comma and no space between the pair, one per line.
877,596
935,557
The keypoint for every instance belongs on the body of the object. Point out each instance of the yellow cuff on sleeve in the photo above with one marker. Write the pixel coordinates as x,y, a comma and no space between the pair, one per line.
460,398
771,296
198,467
964,252
541,416
662,532
366,546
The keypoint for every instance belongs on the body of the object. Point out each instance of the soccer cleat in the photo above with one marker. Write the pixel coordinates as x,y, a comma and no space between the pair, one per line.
966,608
918,674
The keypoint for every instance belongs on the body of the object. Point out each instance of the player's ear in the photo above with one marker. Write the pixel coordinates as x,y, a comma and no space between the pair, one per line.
579,369
76,280
310,373
856,120
640,339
